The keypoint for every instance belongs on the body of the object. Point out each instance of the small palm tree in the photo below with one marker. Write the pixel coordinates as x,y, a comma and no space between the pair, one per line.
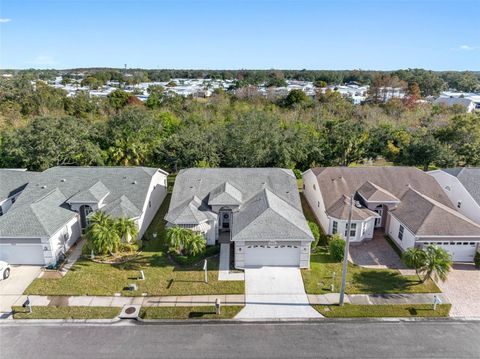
414,258
195,244
126,228
100,218
103,238
177,237
438,263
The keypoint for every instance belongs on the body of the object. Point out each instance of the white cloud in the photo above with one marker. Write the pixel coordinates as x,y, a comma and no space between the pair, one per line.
466,48
4,19
44,60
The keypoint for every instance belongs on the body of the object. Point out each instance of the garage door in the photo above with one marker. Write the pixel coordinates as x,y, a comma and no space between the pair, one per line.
460,251
263,255
22,253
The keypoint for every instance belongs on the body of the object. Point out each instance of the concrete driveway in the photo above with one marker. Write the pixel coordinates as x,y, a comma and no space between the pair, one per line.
13,287
275,292
462,288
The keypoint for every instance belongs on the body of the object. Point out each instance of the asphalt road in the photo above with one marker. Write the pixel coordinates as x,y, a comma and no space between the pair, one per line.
288,340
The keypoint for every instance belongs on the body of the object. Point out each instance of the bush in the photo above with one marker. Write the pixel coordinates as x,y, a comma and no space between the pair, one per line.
477,260
316,233
337,248
298,173
128,247
325,239
188,260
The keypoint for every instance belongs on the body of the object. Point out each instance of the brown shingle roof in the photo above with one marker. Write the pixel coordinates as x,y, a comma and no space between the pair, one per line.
340,210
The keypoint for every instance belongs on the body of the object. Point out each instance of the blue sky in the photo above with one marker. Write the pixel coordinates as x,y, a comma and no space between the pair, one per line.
234,34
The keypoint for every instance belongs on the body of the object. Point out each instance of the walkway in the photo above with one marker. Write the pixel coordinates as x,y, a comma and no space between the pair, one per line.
375,299
275,292
100,301
224,266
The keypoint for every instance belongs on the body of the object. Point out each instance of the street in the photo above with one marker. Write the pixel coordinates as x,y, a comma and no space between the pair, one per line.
329,339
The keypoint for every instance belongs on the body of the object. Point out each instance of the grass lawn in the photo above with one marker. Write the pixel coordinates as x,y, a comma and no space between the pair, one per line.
360,280
391,310
66,313
162,277
226,312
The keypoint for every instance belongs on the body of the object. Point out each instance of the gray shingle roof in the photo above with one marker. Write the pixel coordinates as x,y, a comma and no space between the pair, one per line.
268,217
92,194
425,216
268,199
127,188
470,178
13,181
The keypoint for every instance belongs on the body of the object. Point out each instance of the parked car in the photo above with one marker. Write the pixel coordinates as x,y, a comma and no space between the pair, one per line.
4,270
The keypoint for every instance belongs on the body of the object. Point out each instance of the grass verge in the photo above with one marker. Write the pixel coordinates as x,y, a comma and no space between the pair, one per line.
319,277
388,310
226,312
66,313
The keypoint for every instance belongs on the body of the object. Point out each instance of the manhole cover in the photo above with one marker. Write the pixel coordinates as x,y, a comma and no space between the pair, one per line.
130,310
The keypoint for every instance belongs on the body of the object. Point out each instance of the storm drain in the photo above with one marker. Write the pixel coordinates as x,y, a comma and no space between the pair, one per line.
130,311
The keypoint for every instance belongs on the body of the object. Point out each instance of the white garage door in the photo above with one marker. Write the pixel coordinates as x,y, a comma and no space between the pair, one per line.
281,255
460,251
22,253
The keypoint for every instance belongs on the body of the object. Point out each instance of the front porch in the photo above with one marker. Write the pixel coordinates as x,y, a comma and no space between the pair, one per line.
224,237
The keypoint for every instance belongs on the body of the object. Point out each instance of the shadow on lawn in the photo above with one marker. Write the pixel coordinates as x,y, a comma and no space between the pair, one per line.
382,281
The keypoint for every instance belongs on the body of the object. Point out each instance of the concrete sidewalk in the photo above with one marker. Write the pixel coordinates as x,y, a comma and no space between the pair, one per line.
224,265
165,301
374,299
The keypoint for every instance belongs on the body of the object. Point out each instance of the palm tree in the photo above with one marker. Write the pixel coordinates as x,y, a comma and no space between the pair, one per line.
177,237
100,218
438,263
103,237
126,228
414,258
195,245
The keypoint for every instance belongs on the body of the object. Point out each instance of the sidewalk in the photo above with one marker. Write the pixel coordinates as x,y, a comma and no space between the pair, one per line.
99,301
224,265
375,299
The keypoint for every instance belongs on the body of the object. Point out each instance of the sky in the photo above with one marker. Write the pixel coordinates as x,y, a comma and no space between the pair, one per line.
241,34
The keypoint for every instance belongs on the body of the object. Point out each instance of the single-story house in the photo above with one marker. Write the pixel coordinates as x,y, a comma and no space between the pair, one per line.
48,216
12,183
256,210
405,202
462,186
467,103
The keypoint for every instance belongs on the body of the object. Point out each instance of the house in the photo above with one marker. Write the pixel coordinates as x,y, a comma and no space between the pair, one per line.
48,216
12,183
462,186
257,210
404,202
467,103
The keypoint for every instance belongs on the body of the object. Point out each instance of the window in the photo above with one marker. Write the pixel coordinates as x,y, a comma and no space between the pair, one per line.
334,227
400,232
459,204
353,229
314,188
318,204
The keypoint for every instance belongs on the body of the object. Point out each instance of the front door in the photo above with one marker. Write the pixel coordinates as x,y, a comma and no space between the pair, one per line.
226,216
378,221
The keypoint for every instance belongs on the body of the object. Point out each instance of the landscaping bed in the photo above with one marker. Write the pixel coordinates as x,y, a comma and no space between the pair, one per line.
66,312
227,312
384,310
360,280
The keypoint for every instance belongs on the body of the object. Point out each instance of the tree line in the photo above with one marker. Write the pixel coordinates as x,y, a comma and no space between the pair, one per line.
41,127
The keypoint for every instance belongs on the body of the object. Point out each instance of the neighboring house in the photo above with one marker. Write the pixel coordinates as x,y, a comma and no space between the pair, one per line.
256,209
12,183
467,103
406,203
54,207
462,186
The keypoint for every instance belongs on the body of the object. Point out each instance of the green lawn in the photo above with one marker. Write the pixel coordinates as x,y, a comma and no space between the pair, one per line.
360,280
66,313
391,310
162,277
188,312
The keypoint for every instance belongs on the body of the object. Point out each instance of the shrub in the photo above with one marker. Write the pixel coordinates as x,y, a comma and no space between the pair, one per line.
298,173
337,248
316,233
477,260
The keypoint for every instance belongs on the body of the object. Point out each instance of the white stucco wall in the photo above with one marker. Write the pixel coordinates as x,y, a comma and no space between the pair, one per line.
367,225
54,244
314,199
157,192
456,192
408,240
